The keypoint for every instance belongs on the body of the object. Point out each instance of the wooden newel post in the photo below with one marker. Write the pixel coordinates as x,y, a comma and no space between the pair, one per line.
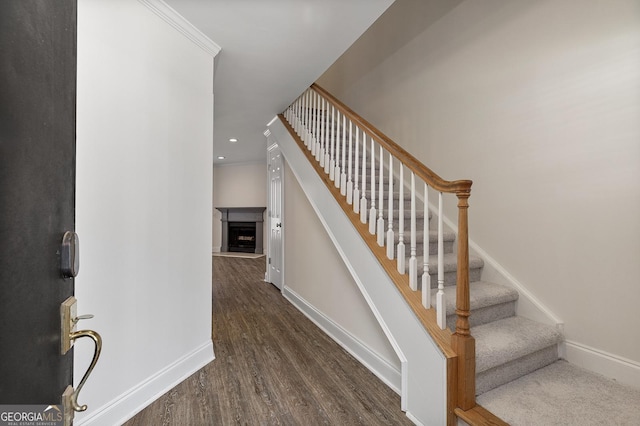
462,341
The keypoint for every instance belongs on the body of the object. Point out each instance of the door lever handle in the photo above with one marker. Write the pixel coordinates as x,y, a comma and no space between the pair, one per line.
68,321
81,317
96,354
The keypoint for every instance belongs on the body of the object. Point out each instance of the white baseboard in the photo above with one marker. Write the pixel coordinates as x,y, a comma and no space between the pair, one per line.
386,372
125,406
413,419
609,365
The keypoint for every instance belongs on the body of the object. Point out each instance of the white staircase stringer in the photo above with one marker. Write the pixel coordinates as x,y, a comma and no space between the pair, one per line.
424,375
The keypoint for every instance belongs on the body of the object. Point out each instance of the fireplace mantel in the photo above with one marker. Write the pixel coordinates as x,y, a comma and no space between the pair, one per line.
242,214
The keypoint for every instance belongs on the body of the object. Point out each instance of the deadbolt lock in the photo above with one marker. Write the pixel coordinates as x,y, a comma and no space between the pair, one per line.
69,256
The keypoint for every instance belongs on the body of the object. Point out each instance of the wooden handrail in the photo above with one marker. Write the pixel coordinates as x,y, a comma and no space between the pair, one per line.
422,171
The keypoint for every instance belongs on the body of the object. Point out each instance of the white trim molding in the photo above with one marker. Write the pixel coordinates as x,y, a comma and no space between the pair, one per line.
127,405
186,28
609,365
379,366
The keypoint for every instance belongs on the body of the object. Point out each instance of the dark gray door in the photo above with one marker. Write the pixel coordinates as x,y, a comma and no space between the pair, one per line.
37,194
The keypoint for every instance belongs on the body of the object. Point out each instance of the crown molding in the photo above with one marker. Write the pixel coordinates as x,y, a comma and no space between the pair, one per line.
177,21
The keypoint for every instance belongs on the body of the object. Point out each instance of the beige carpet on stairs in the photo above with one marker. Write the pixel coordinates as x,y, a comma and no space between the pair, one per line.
564,394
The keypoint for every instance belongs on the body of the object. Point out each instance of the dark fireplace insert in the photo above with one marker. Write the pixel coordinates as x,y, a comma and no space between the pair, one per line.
242,237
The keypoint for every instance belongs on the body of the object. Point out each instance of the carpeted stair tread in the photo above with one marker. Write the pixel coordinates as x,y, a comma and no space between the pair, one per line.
562,393
508,339
407,217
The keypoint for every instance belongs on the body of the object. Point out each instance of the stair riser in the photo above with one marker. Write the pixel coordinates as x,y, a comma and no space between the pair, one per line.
505,373
433,246
448,248
486,315
396,205
450,277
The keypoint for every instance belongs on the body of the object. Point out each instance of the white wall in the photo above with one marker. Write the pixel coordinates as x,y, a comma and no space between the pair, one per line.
538,103
314,270
238,185
144,173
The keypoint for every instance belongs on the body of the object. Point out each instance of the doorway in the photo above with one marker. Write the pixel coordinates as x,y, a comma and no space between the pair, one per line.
275,259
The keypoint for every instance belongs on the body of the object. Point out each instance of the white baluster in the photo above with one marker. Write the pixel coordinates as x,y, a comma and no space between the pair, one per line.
390,235
287,114
332,135
307,121
338,141
327,139
426,278
372,212
343,175
300,122
320,137
413,263
380,230
303,116
349,182
322,131
323,128
291,116
441,307
356,190
327,147
316,109
401,250
363,200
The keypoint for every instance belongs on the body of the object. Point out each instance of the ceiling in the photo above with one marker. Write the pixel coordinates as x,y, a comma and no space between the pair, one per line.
271,51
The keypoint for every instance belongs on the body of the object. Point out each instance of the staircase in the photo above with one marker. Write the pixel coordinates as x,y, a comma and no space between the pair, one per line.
507,346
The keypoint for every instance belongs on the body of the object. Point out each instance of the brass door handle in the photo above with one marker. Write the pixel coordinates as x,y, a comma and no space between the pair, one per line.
96,354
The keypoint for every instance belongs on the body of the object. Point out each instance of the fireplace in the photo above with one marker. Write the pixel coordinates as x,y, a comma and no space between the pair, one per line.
242,229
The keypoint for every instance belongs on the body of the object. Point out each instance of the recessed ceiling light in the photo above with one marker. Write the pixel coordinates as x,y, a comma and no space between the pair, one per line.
220,157
233,140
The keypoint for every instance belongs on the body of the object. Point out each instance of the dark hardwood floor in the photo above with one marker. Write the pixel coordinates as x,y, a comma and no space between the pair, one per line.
273,366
